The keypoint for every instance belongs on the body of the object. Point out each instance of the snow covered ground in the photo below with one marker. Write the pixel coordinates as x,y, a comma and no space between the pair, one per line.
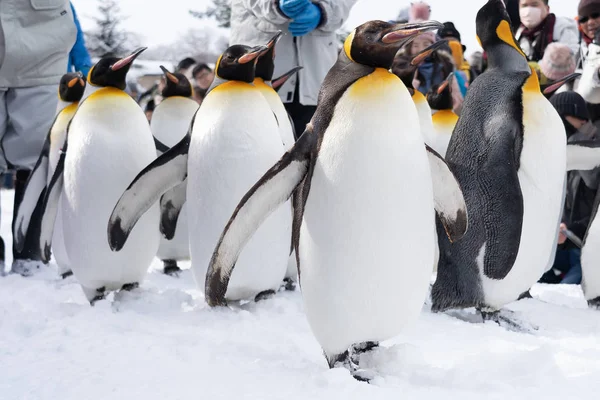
163,342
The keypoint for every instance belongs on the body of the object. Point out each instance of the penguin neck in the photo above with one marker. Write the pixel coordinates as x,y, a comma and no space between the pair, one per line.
505,58
62,105
89,89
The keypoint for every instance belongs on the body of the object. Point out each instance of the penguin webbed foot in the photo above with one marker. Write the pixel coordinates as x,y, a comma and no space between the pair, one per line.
171,268
100,295
128,287
67,274
505,319
267,294
594,303
288,285
350,360
525,295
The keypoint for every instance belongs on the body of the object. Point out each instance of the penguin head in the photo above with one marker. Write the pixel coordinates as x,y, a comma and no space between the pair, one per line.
265,66
71,87
495,35
439,96
176,84
112,71
375,43
238,63
405,70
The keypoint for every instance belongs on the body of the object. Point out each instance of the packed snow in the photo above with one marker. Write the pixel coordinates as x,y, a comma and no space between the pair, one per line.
163,342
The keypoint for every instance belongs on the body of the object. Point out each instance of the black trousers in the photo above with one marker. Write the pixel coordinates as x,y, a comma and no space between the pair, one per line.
300,113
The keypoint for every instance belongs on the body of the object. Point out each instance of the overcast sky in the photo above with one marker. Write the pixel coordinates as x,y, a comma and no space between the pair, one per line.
162,22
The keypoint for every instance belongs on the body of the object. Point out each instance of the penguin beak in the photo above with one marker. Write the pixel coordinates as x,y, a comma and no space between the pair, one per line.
274,39
169,75
556,85
445,84
419,58
404,33
127,60
252,54
278,82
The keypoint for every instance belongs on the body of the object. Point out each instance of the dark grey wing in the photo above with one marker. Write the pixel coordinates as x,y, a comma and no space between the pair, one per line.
164,173
50,207
448,198
583,155
160,146
500,197
273,189
170,206
34,188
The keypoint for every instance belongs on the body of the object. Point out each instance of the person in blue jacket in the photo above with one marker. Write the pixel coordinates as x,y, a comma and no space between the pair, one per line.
79,58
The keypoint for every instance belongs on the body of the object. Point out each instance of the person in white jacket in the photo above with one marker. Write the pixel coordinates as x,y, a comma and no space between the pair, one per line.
588,85
539,27
310,41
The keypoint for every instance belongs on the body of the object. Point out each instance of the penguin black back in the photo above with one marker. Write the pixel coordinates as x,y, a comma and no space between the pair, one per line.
71,87
176,84
238,63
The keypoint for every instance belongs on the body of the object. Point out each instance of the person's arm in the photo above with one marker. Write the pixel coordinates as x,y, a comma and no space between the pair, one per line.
567,33
334,13
79,56
267,10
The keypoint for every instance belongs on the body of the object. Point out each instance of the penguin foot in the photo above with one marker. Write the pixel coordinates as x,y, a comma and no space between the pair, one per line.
289,285
267,294
67,274
25,267
171,268
346,360
128,287
504,318
594,303
525,295
100,295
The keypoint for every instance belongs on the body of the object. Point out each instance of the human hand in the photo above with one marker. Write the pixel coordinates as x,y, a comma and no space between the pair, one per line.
306,22
561,236
293,8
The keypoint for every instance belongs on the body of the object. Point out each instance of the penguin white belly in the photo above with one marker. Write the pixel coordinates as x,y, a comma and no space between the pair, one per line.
170,123
590,262
234,142
109,143
287,137
57,139
541,177
424,111
363,274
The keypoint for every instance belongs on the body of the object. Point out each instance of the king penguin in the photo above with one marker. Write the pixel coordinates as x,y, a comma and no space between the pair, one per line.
444,119
263,82
508,152
169,124
70,91
108,142
358,172
232,140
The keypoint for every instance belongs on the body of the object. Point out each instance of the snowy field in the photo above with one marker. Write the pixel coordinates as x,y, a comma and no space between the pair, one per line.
163,342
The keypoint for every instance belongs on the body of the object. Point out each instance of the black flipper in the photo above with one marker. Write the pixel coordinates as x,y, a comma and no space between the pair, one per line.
170,206
448,198
34,189
502,215
278,82
50,206
164,173
160,146
583,155
273,189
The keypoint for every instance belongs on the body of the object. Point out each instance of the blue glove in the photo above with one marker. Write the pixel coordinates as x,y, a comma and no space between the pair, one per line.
293,8
307,21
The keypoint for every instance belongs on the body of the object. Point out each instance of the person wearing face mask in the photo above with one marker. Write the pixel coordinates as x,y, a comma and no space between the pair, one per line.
539,28
588,56
582,189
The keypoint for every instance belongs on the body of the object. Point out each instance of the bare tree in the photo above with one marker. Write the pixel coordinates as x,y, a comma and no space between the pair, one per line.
204,44
108,37
219,11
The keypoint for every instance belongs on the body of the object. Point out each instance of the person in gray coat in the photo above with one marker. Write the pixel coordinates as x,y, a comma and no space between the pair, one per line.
35,39
310,42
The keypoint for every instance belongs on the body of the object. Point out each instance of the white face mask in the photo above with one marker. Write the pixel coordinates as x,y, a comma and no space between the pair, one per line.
531,16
